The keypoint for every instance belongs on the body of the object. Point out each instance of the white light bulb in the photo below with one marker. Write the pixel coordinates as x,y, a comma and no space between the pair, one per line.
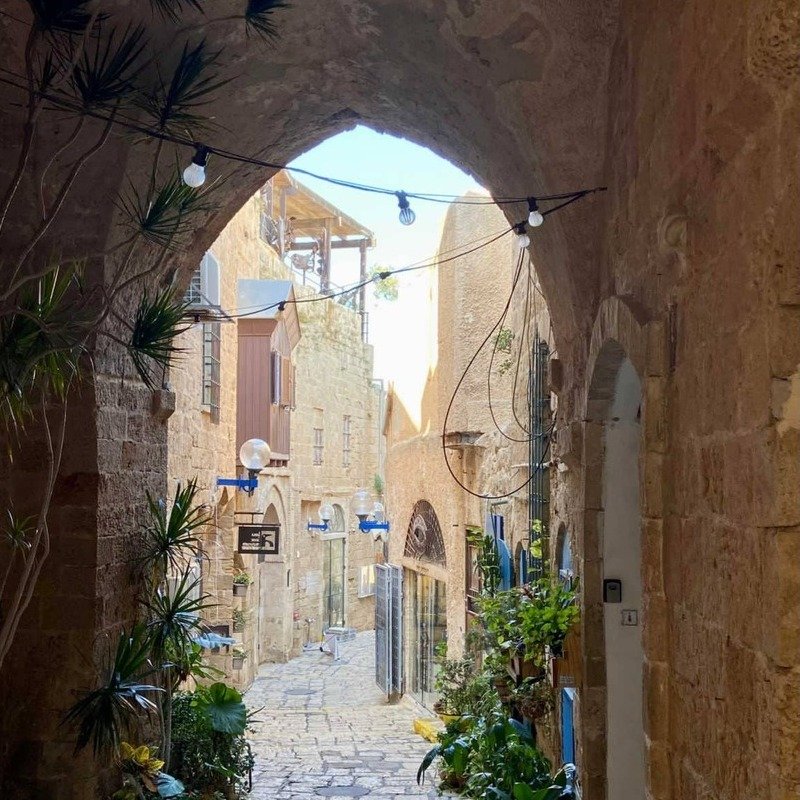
194,175
523,241
407,216
535,218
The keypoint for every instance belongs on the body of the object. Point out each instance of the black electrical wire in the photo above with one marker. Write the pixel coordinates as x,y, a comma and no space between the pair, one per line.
453,396
123,120
517,274
379,275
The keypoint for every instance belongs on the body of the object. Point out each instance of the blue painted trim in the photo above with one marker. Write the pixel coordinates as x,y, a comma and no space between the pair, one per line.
567,727
317,526
248,484
368,525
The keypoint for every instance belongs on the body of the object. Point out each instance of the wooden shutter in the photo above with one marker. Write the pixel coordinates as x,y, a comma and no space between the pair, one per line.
286,381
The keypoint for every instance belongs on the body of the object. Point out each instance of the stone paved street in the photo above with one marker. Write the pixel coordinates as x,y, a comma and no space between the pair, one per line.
327,731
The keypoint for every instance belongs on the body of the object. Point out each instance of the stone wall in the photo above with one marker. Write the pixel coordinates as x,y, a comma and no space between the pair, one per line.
471,297
333,378
688,112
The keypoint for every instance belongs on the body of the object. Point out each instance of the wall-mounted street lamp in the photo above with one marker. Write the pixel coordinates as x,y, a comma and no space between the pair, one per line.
364,508
254,455
325,515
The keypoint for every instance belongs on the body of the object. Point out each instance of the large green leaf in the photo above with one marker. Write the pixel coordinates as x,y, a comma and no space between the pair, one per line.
168,786
223,707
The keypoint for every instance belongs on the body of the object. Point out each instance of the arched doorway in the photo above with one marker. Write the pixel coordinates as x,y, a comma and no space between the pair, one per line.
425,601
333,570
613,593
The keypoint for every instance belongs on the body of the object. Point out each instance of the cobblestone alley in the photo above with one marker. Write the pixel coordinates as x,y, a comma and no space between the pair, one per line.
326,730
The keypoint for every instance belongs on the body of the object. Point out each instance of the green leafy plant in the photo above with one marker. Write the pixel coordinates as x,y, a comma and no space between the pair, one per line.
462,689
170,537
258,18
104,714
495,756
242,578
210,752
240,619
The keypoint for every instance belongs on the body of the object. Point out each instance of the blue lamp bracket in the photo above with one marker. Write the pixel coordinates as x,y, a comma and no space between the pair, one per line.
248,485
367,525
318,526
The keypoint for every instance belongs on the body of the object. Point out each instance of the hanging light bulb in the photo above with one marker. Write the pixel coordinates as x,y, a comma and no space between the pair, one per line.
195,174
535,217
523,240
407,216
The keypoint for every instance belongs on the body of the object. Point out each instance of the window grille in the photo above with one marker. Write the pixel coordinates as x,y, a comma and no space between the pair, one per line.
211,368
346,441
319,446
194,292
538,488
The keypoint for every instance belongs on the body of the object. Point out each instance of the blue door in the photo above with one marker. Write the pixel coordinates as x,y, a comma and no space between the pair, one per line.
567,727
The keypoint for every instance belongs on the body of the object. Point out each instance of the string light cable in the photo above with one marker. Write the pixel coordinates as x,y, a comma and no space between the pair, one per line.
194,174
239,313
534,468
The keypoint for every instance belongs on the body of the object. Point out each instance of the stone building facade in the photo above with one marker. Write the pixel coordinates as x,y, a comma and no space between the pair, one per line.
685,270
489,303
333,393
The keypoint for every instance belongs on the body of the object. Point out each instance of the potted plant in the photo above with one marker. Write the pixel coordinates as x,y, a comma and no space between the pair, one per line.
451,684
239,619
534,698
238,658
241,580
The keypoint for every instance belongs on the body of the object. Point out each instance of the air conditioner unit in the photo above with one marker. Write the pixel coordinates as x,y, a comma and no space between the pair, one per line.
204,290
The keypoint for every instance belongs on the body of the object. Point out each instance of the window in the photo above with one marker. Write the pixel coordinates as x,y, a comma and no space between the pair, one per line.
203,289
318,446
366,581
211,358
346,441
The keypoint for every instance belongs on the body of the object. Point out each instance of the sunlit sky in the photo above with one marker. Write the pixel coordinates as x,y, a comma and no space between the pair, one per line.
398,330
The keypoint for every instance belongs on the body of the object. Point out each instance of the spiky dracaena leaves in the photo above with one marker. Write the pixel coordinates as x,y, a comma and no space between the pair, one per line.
164,220
169,538
159,319
62,16
41,342
172,618
108,68
259,20
106,713
176,102
172,10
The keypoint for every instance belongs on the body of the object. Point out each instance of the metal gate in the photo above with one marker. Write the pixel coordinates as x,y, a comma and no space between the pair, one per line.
389,628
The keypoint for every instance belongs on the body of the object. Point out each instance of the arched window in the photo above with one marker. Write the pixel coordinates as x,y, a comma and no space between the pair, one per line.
339,522
424,540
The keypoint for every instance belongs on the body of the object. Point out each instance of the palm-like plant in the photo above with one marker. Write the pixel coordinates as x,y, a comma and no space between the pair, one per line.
258,17
159,319
62,16
172,619
104,714
106,73
41,342
170,538
175,104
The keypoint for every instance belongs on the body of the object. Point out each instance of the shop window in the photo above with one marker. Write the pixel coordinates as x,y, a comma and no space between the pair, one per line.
366,580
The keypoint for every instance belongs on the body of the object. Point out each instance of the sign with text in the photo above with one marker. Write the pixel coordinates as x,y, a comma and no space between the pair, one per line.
259,539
